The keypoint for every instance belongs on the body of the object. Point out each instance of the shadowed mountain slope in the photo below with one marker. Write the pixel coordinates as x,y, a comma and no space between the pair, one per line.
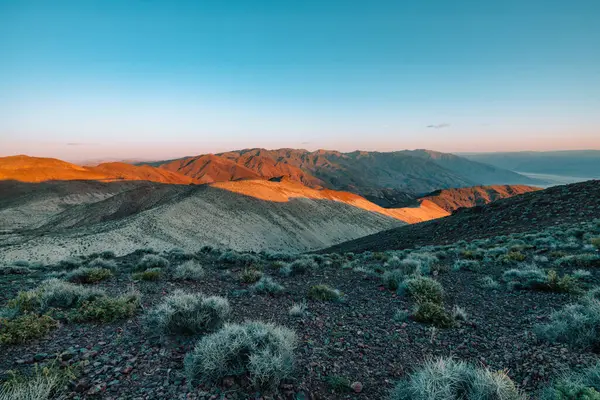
557,205
245,215
36,169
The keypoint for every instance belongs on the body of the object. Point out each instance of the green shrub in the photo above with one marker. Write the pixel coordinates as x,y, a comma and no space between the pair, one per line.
469,265
262,351
53,293
43,383
574,324
489,283
298,310
235,258
107,309
579,260
25,327
338,384
298,267
595,242
324,293
190,270
575,386
250,275
266,285
103,263
514,256
152,274
530,277
14,270
88,275
69,263
432,313
393,279
423,289
448,379
151,261
188,314
565,283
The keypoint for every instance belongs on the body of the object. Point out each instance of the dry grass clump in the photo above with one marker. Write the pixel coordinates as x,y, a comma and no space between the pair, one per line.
188,314
264,352
449,379
108,309
576,386
152,274
43,383
423,289
266,285
88,275
190,270
149,261
250,275
25,327
324,293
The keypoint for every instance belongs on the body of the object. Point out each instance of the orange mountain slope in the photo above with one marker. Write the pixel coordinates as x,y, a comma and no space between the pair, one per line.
210,168
37,169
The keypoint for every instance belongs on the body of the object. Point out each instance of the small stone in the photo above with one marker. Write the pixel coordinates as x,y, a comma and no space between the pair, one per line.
357,387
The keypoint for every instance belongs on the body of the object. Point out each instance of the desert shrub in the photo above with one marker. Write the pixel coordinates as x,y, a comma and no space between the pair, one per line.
575,386
324,293
235,258
250,275
266,285
262,351
400,316
69,263
459,314
579,260
298,267
190,270
298,309
476,254
595,242
565,283
470,265
151,261
423,289
152,274
529,277
593,294
53,293
513,256
449,379
432,313
489,283
393,279
179,255
103,263
14,270
43,383
188,314
497,251
107,309
88,275
24,328
574,324
575,232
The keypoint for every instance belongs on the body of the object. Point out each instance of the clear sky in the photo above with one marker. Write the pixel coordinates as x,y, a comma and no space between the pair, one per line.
164,78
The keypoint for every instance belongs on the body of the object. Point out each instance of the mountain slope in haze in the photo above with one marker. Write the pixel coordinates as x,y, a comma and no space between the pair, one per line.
244,215
389,179
475,171
558,205
576,163
36,169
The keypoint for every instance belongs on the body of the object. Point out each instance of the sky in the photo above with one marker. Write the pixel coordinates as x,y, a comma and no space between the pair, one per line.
157,79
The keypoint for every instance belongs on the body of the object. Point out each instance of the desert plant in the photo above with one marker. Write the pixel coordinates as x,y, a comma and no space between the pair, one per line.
338,384
266,285
575,386
262,351
401,316
24,328
14,270
235,258
579,260
188,314
190,270
595,242
69,263
298,309
324,293
470,265
489,283
149,261
459,313
88,275
449,379
529,277
298,267
107,309
513,256
432,313
250,275
152,274
53,293
423,289
574,324
43,383
393,279
102,262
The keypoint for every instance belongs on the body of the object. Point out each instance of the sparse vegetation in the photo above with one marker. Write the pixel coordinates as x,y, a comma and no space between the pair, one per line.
190,270
88,275
298,310
266,285
25,327
324,293
423,289
469,265
188,314
250,275
152,274
107,309
450,379
575,386
393,279
262,351
151,261
432,313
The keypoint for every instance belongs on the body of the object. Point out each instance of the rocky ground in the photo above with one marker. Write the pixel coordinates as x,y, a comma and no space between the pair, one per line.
353,348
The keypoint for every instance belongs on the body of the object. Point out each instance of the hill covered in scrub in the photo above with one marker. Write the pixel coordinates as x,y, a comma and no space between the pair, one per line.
558,205
510,317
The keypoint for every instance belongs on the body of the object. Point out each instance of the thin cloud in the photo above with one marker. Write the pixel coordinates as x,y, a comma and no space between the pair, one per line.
439,126
80,144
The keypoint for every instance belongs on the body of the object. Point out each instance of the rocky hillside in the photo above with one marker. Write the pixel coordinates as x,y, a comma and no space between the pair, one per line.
530,211
35,169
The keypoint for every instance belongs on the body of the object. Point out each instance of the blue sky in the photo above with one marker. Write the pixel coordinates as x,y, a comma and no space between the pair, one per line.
158,78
